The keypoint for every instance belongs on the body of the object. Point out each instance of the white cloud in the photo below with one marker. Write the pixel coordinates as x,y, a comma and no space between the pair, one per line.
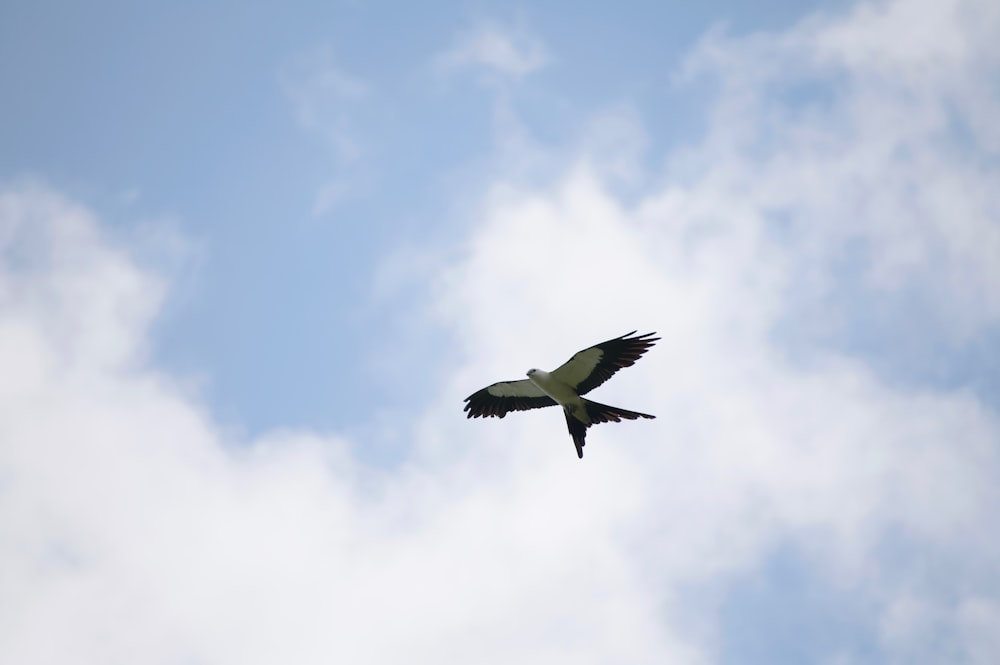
892,153
511,51
324,95
327,100
749,233
979,621
330,194
135,530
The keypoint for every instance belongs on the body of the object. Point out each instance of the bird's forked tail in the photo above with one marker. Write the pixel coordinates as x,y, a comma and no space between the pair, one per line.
597,413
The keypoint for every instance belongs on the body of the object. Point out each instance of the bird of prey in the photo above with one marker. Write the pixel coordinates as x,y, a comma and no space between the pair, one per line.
566,386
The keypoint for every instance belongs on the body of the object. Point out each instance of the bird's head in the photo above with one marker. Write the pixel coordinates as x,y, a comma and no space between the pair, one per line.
533,371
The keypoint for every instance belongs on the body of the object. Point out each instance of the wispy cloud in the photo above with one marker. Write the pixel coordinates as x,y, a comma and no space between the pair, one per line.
511,51
324,96
326,100
880,156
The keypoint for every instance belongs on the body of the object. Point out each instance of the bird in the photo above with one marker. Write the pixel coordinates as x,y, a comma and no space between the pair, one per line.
566,385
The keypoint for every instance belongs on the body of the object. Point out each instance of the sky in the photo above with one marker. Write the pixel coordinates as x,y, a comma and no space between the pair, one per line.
254,256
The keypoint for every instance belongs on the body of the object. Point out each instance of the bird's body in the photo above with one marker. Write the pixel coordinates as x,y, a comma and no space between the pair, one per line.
561,392
566,386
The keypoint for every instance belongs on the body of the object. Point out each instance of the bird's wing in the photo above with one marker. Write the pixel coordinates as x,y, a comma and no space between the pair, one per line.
500,398
591,367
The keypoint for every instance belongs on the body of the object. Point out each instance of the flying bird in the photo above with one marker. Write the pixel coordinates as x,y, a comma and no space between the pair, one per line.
566,386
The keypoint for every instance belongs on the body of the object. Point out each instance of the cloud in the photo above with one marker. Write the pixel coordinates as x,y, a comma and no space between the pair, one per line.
883,150
323,95
510,51
826,187
326,99
136,529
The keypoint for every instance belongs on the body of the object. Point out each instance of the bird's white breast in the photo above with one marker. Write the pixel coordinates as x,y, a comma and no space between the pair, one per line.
555,388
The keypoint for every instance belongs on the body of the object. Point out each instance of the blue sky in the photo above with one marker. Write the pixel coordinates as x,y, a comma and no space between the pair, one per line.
193,114
253,258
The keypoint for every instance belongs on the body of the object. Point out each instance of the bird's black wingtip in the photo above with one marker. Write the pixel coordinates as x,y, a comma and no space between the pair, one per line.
645,337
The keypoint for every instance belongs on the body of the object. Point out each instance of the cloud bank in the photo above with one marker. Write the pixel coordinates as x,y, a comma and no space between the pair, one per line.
136,529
